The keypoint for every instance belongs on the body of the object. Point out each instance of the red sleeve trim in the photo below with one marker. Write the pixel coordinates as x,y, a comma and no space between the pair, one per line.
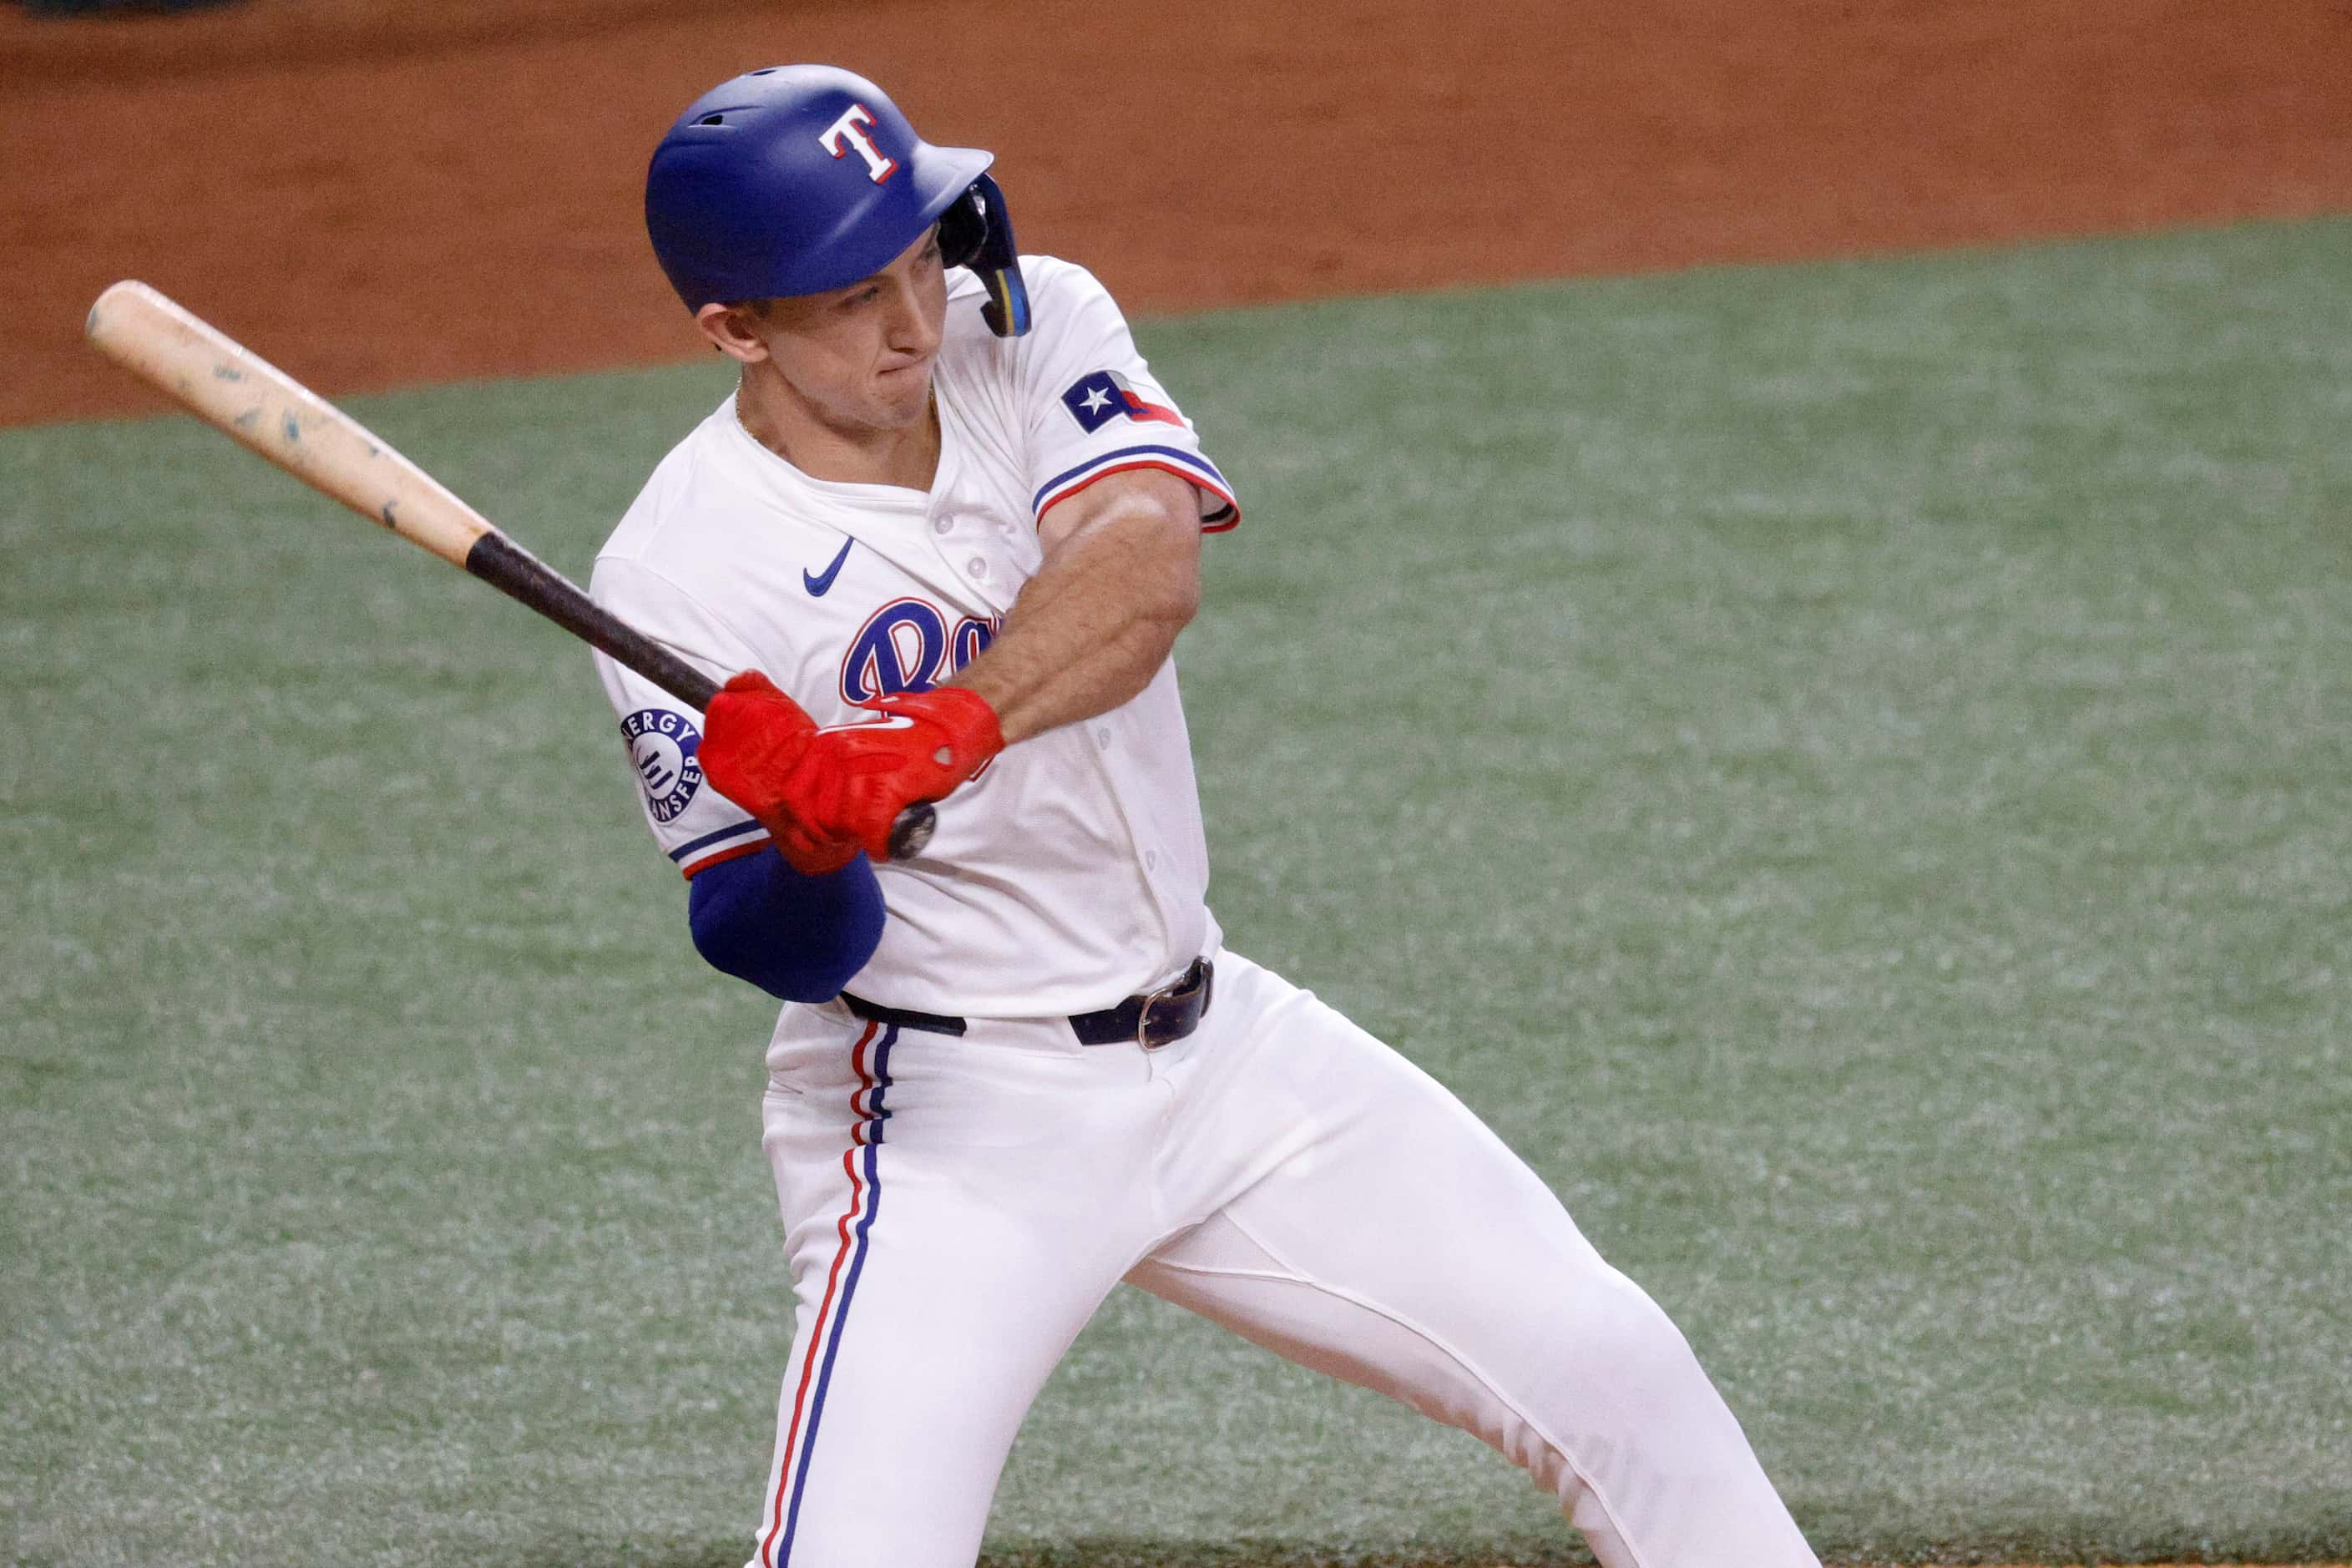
1221,520
732,852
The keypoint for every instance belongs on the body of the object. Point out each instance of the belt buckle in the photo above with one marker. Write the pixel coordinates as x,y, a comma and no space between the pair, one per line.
1163,1019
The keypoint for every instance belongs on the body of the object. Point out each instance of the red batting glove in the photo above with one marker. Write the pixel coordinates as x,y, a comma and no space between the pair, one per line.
754,740
855,779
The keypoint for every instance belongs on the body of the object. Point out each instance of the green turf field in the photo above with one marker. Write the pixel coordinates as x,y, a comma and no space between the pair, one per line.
1850,768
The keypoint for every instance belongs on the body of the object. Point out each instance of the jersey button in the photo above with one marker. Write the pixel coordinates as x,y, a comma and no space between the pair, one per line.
941,525
1102,737
1152,860
976,567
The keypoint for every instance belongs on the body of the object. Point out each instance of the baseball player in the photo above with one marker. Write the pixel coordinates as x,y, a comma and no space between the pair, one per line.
943,537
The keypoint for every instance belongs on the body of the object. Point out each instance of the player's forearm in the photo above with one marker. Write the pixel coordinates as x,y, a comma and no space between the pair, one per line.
1044,682
1093,627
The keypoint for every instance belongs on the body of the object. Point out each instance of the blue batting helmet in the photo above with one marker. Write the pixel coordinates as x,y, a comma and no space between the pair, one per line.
798,179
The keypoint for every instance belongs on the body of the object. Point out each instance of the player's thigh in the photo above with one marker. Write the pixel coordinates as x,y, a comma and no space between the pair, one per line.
1384,1195
912,1369
1317,1136
1398,1243
943,1257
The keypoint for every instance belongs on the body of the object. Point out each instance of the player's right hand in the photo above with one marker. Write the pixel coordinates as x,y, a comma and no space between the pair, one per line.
858,781
754,739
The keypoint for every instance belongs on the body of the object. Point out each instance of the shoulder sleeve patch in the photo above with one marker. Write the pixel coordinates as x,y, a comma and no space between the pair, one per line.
1100,397
662,747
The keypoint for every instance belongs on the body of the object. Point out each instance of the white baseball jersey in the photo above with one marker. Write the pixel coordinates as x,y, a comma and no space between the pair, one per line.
1073,871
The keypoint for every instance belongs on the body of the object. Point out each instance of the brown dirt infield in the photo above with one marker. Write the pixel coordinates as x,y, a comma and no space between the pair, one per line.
377,192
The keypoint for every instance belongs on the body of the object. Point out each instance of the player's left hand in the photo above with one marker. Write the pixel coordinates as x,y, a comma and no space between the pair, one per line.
755,739
854,780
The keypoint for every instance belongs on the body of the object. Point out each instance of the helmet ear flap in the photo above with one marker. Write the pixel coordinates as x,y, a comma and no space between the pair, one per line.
961,229
976,232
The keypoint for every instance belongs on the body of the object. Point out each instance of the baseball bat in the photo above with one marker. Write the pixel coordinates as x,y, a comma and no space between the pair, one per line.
266,411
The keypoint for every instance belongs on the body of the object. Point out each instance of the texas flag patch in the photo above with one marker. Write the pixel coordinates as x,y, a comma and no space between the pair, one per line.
1105,395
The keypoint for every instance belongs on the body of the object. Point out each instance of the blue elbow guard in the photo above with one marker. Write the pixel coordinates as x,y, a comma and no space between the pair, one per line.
797,938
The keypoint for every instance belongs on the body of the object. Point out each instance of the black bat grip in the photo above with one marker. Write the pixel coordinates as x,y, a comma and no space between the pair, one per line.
525,578
913,830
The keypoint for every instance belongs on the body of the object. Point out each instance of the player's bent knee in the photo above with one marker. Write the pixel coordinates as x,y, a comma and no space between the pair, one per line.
1622,1367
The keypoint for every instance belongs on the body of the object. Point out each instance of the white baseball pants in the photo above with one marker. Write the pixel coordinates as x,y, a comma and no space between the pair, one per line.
955,1209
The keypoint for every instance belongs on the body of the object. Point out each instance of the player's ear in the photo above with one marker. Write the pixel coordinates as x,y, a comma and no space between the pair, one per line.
730,329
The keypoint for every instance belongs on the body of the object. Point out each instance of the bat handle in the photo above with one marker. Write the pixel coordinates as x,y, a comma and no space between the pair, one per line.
912,830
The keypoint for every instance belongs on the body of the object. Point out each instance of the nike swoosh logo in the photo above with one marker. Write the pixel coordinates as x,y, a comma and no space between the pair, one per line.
818,586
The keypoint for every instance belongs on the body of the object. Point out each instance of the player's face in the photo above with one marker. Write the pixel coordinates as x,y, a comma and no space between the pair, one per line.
861,357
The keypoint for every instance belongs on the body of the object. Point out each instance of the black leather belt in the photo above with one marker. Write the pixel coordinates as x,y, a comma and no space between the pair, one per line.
1152,1020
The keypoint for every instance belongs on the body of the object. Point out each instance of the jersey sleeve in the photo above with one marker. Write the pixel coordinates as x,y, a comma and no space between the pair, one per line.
1091,406
694,823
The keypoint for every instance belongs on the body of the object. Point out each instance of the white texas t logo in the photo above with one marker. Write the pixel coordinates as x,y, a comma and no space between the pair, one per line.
845,133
